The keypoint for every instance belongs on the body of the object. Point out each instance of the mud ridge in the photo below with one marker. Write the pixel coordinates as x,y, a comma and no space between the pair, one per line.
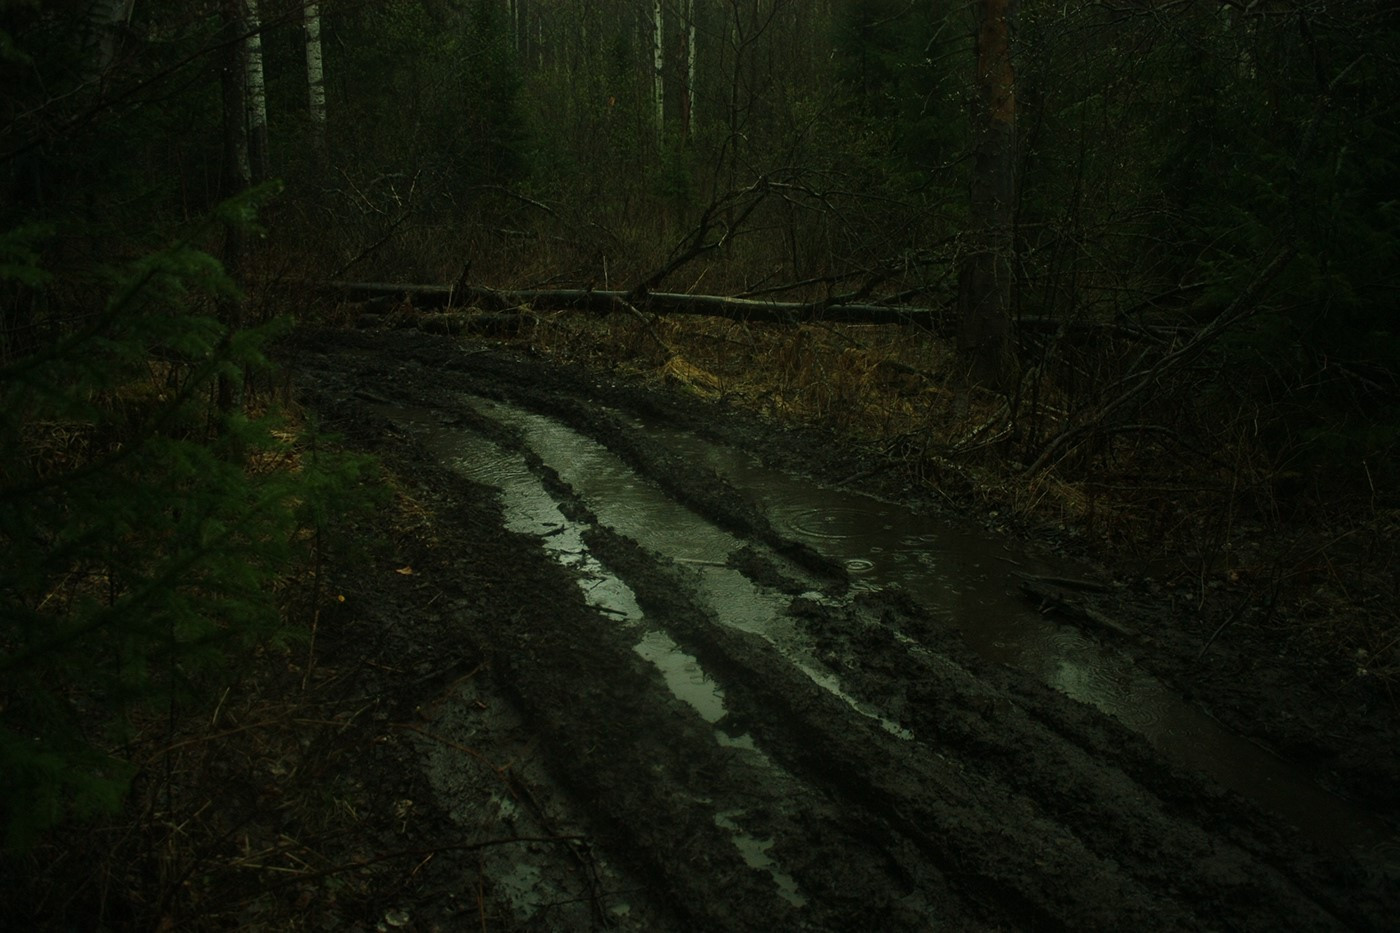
862,769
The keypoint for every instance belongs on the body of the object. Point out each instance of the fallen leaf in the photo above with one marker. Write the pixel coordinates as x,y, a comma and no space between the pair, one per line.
406,571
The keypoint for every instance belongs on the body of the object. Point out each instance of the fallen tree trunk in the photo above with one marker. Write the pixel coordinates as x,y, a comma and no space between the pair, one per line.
383,296
604,302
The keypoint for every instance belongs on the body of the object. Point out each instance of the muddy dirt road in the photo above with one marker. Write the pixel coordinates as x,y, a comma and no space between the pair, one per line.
670,715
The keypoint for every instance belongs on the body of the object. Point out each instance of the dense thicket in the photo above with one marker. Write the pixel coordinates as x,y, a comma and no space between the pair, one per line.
154,508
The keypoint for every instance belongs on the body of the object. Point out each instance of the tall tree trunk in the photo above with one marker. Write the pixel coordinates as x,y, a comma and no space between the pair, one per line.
658,48
515,12
985,278
234,84
688,103
105,19
315,77
257,98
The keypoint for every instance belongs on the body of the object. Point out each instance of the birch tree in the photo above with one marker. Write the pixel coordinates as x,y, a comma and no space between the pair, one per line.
105,19
658,79
688,108
315,76
257,97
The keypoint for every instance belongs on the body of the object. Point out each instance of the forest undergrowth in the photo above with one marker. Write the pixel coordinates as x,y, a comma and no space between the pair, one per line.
243,798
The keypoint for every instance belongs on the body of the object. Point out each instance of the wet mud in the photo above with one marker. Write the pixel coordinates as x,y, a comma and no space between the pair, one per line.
673,707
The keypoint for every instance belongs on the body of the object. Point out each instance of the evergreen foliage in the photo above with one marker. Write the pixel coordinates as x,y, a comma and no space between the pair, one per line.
143,536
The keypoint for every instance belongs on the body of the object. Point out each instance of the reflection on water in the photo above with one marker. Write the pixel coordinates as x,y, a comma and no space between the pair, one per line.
755,854
634,507
966,576
683,675
963,574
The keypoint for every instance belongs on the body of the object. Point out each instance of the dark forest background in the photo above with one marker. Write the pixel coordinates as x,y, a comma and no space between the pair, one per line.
1169,159
1194,250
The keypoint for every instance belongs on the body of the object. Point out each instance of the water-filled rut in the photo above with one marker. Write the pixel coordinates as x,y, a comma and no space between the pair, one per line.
783,705
969,578
965,576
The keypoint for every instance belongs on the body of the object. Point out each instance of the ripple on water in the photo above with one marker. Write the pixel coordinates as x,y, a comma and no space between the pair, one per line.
859,565
1079,672
833,523
1066,641
492,464
1387,853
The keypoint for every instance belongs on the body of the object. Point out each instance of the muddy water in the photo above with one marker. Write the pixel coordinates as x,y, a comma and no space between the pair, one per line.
964,575
631,506
969,577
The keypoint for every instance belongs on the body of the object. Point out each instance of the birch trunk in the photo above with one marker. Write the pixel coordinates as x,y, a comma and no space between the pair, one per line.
257,97
105,19
658,79
315,76
689,109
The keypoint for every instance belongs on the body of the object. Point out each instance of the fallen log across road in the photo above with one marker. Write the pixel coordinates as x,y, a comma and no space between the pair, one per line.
425,297
937,320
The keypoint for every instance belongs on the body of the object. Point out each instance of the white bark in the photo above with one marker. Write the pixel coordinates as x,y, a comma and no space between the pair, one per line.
689,65
257,95
315,75
105,19
658,78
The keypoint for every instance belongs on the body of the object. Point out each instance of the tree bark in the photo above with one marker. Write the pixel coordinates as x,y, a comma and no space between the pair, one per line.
105,19
605,302
257,98
234,85
688,102
985,278
658,50
315,77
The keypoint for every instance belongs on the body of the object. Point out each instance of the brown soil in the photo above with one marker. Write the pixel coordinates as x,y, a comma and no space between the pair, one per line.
515,764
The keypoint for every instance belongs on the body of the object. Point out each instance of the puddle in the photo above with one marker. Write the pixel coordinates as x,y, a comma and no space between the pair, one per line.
755,854
963,575
967,577
637,509
683,675
689,683
529,509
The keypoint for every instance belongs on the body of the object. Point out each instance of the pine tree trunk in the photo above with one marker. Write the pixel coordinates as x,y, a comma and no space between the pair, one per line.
315,77
257,98
985,279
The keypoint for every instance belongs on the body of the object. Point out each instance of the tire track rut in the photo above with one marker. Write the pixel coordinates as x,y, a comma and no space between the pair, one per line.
1009,806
